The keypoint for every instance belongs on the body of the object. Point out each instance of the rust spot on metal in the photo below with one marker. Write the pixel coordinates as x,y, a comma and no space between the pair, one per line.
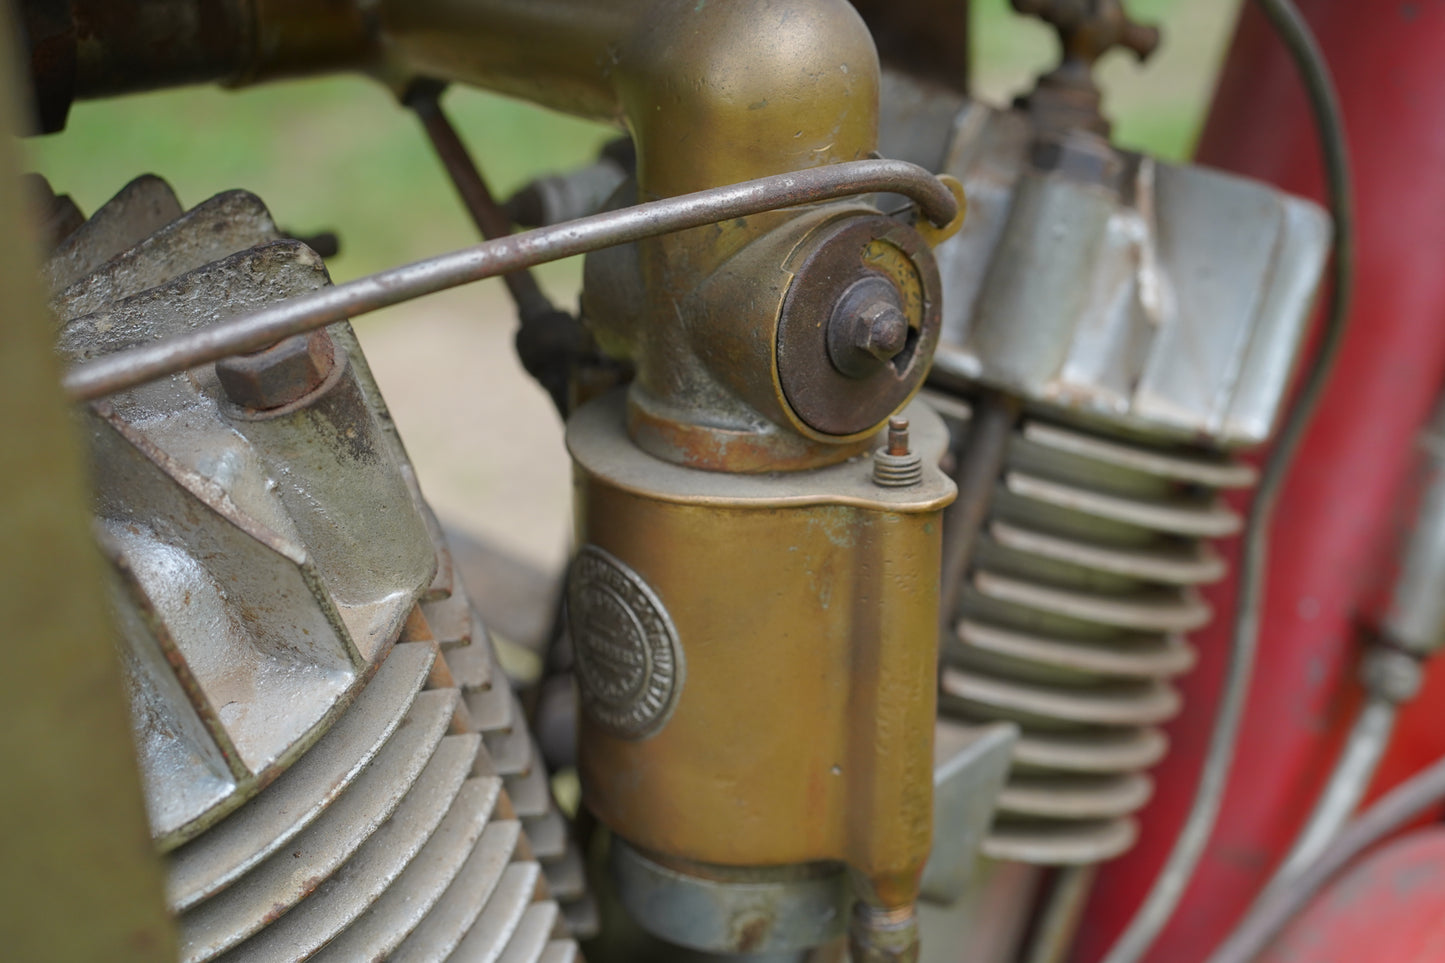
720,449
279,375
752,932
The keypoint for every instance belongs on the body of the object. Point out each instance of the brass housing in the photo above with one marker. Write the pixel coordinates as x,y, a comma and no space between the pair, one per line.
713,93
804,610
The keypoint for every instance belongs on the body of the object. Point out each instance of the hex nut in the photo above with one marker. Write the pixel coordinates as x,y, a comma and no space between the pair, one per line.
886,330
278,375
868,328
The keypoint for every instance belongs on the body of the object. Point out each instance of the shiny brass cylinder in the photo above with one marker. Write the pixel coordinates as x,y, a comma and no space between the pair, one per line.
756,656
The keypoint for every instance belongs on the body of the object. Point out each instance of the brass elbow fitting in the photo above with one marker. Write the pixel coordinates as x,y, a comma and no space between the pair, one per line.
715,93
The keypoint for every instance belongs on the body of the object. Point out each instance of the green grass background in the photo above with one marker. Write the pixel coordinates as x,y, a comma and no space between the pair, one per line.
340,154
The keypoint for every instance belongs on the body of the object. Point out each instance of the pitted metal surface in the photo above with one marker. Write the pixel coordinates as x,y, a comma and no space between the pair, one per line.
457,911
208,864
146,205
489,937
210,231
1108,300
286,879
275,577
310,764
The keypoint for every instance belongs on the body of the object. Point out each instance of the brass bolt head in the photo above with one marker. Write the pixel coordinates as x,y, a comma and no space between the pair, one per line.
278,375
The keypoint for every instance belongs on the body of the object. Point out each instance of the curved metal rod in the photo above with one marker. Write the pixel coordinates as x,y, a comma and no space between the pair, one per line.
1364,748
1396,809
134,366
1169,886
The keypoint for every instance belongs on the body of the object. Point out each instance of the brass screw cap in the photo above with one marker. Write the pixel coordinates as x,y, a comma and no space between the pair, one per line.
895,466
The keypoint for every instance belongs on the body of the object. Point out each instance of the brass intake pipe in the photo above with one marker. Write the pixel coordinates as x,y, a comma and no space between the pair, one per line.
714,93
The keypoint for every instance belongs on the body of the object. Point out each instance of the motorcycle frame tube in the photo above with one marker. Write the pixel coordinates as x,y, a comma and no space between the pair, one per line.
1336,524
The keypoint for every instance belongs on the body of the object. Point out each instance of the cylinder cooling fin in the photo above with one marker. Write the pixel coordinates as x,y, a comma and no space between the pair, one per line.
1144,316
1074,618
334,763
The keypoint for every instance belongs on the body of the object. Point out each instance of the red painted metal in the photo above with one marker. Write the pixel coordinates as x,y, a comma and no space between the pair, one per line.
1390,906
1337,517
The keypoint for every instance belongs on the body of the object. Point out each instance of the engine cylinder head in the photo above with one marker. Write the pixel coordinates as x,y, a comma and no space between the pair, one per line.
334,765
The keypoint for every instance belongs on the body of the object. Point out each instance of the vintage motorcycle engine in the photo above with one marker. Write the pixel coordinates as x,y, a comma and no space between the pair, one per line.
890,518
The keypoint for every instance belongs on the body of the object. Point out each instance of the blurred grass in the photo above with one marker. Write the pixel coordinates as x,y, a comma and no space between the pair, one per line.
1157,107
340,154
331,154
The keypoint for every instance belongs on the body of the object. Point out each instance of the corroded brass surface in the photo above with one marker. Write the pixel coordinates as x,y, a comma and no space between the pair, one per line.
794,725
712,93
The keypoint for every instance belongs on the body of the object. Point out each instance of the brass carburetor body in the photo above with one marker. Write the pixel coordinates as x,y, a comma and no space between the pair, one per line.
752,616
754,654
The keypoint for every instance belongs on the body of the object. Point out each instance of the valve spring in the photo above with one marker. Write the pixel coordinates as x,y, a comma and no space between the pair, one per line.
1072,620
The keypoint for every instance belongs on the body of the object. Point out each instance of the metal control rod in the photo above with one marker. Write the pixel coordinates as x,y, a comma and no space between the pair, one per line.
250,332
549,342
486,213
980,462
